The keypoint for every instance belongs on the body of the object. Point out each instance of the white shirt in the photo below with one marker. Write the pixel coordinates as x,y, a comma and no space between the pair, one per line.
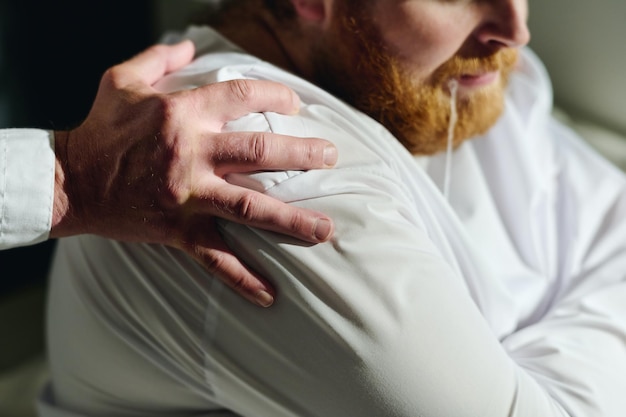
26,186
507,300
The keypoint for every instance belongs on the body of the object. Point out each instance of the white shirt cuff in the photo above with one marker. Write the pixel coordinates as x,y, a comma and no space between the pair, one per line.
27,165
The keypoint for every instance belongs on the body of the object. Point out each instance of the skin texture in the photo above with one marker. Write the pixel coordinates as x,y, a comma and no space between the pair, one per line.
394,59
407,52
413,104
425,33
150,167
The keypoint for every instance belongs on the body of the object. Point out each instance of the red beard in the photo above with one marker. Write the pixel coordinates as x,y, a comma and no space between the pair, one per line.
356,67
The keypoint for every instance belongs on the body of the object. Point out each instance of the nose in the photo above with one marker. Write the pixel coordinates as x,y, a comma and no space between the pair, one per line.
504,24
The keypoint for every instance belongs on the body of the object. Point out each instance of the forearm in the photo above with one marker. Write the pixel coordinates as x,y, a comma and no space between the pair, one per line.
61,224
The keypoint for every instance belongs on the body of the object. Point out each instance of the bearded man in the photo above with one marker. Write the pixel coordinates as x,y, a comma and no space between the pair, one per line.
481,277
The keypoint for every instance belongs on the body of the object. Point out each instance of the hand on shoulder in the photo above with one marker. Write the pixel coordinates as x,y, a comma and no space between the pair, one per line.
149,167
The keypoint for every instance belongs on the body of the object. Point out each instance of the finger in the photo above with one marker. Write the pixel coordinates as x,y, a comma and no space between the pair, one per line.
229,100
152,64
220,261
257,151
255,209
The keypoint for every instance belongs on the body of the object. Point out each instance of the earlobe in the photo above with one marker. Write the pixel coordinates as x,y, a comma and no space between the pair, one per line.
312,10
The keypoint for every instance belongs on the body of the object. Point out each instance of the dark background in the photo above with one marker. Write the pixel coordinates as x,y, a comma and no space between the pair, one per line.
52,55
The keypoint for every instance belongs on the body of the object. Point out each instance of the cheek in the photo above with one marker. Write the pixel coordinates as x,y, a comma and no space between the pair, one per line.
426,39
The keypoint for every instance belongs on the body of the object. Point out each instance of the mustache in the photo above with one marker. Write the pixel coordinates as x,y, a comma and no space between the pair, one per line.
457,66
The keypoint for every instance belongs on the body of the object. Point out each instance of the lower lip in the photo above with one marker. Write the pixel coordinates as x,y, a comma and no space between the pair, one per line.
478,80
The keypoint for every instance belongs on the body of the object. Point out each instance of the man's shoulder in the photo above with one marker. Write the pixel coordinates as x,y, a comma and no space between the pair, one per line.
363,143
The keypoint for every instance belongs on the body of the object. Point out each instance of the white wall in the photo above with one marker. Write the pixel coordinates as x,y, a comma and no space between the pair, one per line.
583,44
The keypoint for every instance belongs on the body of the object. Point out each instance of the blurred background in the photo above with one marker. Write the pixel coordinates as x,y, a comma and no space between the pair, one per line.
52,54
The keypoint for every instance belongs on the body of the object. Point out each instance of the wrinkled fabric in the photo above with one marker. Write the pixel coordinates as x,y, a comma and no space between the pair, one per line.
508,299
26,186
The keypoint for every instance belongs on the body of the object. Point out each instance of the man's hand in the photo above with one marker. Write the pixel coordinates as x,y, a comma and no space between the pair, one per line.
149,167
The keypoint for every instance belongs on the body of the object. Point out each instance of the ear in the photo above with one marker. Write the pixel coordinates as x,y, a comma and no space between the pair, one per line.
311,10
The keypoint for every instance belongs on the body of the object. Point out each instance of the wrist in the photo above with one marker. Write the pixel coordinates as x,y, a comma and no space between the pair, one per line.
61,224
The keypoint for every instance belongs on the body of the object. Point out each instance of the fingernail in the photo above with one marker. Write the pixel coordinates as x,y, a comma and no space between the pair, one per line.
323,228
330,155
264,299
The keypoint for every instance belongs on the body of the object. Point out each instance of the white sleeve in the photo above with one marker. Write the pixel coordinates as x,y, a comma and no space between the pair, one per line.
378,323
375,322
27,165
577,350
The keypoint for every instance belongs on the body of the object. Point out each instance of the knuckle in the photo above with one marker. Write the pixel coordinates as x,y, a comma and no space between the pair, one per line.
248,207
242,89
113,77
214,262
312,153
237,283
260,149
297,221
